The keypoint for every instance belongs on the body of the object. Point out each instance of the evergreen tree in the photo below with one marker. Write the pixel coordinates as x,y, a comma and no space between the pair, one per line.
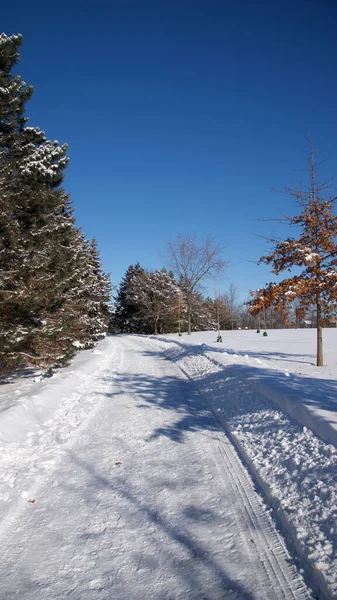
59,310
155,293
45,263
95,294
126,316
31,168
202,316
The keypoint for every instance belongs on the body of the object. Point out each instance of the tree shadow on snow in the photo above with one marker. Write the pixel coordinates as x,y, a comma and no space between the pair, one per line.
186,558
174,394
310,401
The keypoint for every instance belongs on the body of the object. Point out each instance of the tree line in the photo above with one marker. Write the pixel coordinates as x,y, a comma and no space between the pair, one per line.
54,294
155,302
171,299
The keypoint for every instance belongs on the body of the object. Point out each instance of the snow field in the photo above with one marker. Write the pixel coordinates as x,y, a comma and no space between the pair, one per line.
296,469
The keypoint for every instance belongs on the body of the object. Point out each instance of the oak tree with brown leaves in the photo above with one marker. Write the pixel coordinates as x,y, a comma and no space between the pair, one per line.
314,252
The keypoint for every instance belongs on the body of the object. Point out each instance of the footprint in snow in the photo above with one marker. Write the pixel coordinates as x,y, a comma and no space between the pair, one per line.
96,584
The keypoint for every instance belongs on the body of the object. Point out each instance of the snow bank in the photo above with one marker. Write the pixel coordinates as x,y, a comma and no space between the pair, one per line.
38,416
36,402
281,367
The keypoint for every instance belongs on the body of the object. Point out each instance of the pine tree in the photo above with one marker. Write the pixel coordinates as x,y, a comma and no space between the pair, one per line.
95,295
57,311
314,252
126,316
155,293
52,289
31,168
202,317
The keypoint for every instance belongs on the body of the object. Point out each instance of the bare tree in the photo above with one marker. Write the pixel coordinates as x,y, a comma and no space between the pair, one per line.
233,305
220,310
193,262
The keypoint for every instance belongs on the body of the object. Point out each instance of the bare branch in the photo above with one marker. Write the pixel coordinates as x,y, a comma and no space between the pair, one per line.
194,261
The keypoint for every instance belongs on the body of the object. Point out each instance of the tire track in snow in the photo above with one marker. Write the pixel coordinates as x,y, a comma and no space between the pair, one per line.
271,548
322,581
261,533
162,526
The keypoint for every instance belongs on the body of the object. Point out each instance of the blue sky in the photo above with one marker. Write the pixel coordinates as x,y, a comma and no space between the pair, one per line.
181,116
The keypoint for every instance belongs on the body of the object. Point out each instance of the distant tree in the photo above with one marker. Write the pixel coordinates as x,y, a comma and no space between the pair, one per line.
203,317
126,314
219,310
233,306
314,252
90,294
193,262
98,306
227,310
155,293
247,319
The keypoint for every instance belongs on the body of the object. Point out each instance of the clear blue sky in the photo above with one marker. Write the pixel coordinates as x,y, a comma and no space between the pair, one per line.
181,115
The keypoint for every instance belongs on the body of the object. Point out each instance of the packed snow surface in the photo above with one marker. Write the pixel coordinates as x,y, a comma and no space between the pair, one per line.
128,474
267,392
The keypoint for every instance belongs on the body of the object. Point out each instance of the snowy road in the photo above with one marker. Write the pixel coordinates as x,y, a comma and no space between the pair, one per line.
147,501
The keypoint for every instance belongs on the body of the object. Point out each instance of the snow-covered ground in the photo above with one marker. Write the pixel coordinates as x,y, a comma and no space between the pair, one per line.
38,415
119,477
268,394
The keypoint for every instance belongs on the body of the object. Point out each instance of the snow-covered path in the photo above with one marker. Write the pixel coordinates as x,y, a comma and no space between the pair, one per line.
148,501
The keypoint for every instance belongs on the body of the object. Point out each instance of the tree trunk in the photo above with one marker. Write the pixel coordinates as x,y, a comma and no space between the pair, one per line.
155,327
319,361
189,319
